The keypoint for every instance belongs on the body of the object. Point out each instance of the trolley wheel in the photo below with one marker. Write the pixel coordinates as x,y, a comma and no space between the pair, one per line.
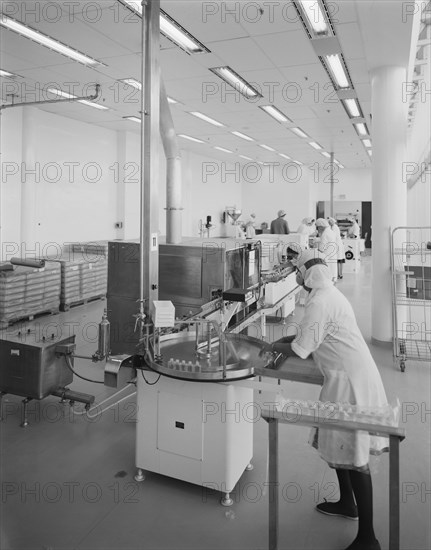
402,366
349,255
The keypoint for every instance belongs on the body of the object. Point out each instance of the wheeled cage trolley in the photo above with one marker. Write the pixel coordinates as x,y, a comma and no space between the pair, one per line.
411,294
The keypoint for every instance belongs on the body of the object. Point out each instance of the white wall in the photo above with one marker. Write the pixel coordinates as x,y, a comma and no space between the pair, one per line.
418,150
349,185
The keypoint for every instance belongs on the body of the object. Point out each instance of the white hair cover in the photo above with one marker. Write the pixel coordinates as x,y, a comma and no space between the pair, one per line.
314,269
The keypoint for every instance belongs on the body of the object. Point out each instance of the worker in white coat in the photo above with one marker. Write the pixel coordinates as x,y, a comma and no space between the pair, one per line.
350,376
341,256
327,244
354,231
306,227
250,231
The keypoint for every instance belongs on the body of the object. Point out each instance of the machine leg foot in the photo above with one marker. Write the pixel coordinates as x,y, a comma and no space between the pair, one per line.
139,476
226,500
25,422
249,466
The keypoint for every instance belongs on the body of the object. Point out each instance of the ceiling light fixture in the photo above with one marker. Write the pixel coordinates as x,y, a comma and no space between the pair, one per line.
361,128
172,30
172,100
315,145
244,157
275,113
231,77
206,118
325,154
45,40
83,101
8,74
243,136
266,147
298,162
352,107
370,152
190,138
337,70
132,82
314,16
299,132
223,149
284,156
133,119
367,142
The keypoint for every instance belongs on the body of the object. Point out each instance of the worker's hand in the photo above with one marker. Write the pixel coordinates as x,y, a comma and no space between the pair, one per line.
266,348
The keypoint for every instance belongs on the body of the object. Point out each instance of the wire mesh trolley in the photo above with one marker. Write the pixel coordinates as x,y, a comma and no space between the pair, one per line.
411,292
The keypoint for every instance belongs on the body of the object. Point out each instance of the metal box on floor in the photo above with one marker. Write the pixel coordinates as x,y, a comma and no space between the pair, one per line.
29,366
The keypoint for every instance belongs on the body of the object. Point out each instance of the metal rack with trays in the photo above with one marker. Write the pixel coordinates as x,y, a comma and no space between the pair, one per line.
411,294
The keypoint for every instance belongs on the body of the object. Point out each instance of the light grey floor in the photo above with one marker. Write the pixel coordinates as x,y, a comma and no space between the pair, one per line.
67,481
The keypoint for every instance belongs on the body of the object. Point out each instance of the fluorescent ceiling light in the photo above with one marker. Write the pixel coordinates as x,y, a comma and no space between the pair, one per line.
132,82
340,165
7,74
367,142
284,156
361,129
336,67
243,136
45,40
133,119
172,100
244,157
266,147
297,162
190,138
83,101
315,145
172,30
314,16
175,32
352,107
325,154
299,132
223,149
92,104
275,113
206,118
236,81
370,152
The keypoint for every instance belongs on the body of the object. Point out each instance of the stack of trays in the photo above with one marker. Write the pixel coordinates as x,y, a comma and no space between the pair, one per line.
28,291
89,250
82,280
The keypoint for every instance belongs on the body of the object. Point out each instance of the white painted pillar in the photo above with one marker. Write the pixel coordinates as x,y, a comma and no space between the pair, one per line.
30,178
389,194
120,232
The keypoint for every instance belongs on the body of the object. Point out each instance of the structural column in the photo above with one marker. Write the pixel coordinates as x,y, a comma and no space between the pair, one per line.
389,195
30,178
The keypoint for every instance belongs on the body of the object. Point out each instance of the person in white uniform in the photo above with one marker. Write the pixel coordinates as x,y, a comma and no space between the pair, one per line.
350,376
250,231
328,245
354,231
341,256
306,227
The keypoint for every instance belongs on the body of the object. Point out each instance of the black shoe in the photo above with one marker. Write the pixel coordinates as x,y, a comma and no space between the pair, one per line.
335,509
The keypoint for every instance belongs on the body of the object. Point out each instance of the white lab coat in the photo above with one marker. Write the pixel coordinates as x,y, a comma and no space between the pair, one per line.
340,246
329,248
354,231
330,333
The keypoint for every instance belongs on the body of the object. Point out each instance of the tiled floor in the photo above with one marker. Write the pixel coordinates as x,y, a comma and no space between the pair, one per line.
67,481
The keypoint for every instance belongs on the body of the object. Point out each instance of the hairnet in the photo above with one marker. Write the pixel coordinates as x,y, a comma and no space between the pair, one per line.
281,213
314,269
331,221
321,222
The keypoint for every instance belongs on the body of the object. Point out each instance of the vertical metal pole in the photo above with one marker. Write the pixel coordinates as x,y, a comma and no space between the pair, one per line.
273,483
150,106
331,167
394,492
